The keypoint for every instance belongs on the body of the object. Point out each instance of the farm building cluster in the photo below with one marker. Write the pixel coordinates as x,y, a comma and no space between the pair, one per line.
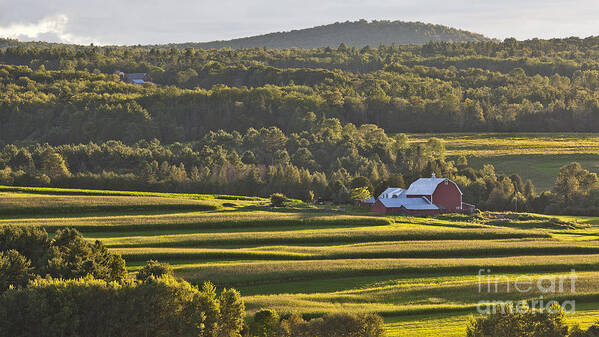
425,196
134,78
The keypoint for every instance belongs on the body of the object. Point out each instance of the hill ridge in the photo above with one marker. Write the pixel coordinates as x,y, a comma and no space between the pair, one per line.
352,33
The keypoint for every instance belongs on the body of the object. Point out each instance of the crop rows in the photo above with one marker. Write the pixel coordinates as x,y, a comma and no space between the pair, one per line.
318,260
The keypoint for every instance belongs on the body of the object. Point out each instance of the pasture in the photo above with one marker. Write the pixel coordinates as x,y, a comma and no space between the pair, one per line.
535,156
420,273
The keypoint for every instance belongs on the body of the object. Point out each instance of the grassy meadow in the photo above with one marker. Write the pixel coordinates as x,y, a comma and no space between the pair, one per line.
535,156
420,273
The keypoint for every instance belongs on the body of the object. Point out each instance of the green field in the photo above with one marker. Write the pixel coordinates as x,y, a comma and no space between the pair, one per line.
535,156
421,274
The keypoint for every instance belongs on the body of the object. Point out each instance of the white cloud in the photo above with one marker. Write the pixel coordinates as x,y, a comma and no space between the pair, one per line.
49,26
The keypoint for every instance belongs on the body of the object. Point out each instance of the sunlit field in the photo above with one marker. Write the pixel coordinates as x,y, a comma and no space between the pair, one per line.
535,156
422,274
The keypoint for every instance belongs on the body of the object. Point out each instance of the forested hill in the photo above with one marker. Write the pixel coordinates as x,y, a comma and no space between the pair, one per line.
259,120
359,33
64,95
13,43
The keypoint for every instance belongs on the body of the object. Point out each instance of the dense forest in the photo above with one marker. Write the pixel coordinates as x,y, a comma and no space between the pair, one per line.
70,95
330,162
299,121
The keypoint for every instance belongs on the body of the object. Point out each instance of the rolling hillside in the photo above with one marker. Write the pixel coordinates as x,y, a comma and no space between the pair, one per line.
419,273
535,156
359,33
352,33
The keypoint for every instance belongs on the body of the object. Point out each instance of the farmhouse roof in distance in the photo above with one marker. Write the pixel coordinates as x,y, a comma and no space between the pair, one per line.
425,186
409,203
391,192
135,76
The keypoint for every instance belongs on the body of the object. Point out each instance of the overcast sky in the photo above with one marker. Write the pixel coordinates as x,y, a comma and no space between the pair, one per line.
163,21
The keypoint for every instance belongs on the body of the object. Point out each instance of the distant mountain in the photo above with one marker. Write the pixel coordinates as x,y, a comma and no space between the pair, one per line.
359,33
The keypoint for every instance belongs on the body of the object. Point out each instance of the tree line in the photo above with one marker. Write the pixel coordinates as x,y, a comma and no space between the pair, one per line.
68,286
331,161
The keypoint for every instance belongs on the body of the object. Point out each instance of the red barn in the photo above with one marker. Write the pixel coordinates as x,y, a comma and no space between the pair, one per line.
425,196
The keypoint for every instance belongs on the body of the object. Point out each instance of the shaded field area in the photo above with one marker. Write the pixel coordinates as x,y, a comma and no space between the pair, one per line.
422,274
535,156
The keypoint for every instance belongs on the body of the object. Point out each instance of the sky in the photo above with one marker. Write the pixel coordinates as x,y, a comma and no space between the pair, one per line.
107,22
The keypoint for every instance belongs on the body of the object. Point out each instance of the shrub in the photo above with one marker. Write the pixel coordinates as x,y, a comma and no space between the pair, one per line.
278,200
154,269
359,194
265,324
332,325
520,321
592,331
352,325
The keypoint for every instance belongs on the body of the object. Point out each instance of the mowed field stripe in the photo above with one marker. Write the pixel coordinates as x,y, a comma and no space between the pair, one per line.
199,221
345,235
405,249
257,272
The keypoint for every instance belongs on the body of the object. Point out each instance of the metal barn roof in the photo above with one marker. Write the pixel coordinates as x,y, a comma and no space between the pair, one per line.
424,186
427,186
135,76
391,192
415,204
